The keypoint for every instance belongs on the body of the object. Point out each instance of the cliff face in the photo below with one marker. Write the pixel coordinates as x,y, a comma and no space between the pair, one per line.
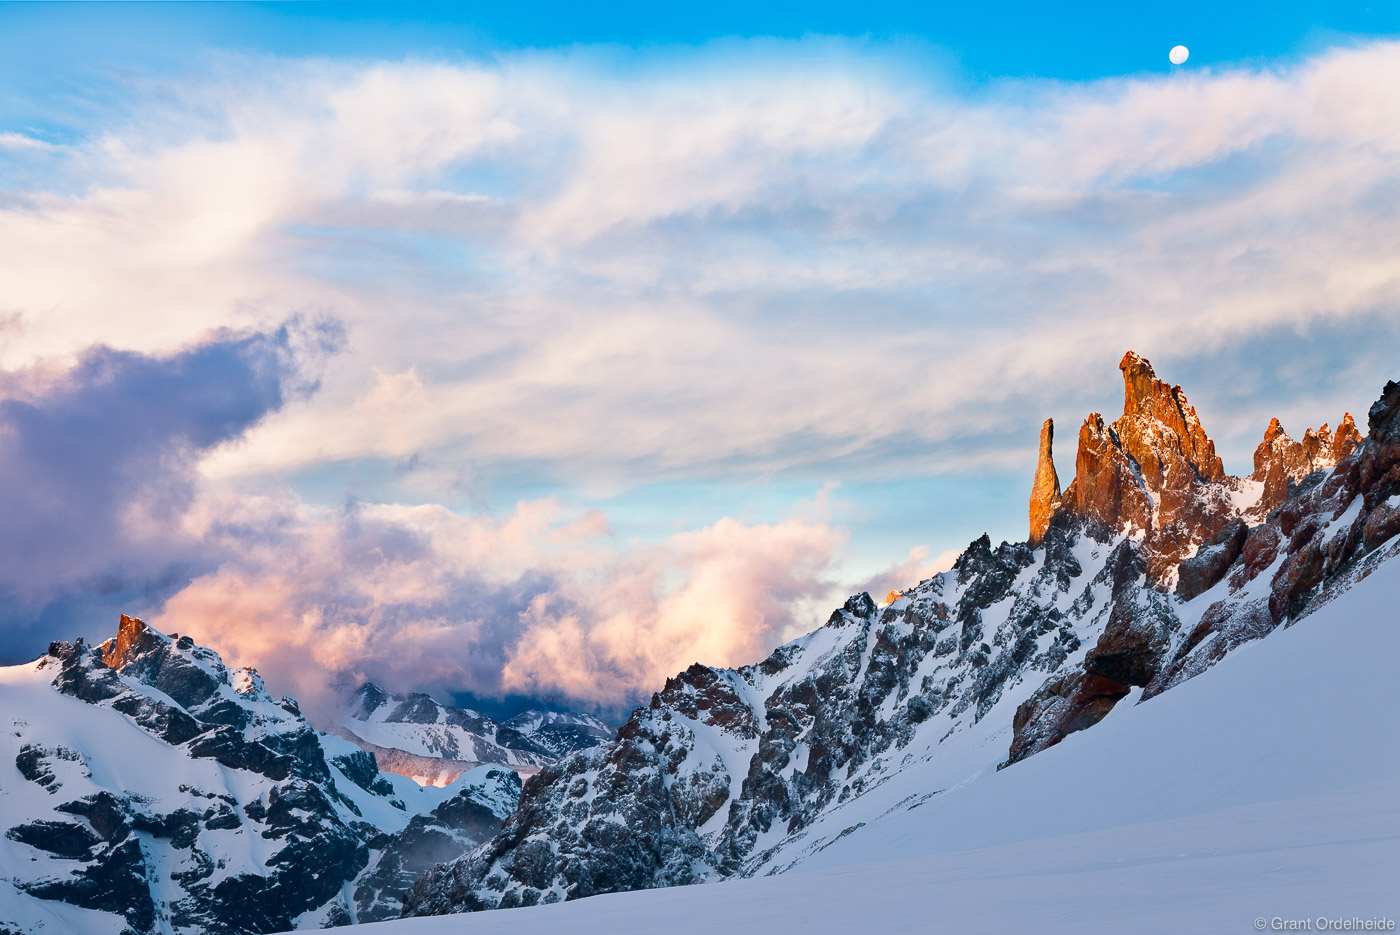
1153,471
1045,492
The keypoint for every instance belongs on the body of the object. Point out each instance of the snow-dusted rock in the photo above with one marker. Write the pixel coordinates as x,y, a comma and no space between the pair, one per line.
145,787
738,772
432,743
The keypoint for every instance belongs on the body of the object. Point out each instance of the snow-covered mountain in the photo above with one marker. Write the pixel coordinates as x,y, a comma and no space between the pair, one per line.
561,732
1265,789
433,743
145,787
1150,568
936,741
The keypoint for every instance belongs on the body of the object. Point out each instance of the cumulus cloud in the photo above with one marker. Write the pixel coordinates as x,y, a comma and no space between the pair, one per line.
97,463
541,600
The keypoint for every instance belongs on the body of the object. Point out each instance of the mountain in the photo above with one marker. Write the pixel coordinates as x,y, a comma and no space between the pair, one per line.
1264,789
146,787
1151,567
561,732
415,736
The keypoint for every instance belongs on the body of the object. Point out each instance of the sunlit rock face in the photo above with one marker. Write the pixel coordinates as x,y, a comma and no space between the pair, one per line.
1325,534
1045,492
1153,471
1152,567
1279,461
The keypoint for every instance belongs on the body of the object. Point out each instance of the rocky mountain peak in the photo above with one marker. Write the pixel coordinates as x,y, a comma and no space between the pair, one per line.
1152,472
748,772
133,640
1281,461
1346,439
1159,428
1045,491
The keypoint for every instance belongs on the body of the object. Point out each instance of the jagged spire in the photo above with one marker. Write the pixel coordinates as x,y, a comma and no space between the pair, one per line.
1347,437
1153,469
1045,492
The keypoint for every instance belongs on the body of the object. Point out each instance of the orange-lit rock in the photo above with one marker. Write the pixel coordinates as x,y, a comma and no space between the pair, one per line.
133,638
1280,460
1347,438
1153,470
1045,491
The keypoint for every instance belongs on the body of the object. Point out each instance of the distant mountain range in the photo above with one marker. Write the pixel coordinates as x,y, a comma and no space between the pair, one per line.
432,743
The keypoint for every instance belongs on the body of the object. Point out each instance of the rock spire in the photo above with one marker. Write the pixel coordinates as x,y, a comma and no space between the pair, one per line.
1280,460
1153,470
1045,492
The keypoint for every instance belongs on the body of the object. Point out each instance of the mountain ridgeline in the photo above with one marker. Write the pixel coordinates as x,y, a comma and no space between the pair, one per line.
1149,568
417,736
146,787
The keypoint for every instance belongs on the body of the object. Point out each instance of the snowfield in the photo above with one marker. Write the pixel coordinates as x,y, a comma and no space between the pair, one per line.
1262,792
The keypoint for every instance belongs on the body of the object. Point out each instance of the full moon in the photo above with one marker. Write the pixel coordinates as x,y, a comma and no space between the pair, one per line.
1178,54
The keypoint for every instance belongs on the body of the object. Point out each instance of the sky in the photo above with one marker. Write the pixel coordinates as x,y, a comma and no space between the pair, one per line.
541,351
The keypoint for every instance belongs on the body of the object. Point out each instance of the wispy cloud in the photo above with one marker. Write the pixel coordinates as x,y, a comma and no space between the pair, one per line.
22,142
747,260
567,256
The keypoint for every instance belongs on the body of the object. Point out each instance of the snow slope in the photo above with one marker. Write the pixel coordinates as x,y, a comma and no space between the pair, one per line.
1266,788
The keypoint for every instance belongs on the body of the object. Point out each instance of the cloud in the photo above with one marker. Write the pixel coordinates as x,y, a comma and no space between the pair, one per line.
541,600
903,575
760,258
20,142
97,464
763,260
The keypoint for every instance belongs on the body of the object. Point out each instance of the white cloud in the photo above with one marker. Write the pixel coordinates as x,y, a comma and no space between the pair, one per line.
749,259
539,600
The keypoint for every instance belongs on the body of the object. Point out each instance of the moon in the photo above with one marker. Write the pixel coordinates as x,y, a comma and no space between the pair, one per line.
1178,54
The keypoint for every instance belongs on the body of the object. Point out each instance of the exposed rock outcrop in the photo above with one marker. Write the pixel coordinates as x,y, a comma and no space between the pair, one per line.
1045,491
1325,535
1280,463
1153,471
160,786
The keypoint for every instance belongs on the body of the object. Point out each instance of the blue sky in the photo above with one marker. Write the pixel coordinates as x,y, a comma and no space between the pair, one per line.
578,344
981,41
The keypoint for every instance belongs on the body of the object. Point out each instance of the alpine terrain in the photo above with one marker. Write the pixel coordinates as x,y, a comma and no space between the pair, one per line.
1170,708
432,743
145,787
1152,566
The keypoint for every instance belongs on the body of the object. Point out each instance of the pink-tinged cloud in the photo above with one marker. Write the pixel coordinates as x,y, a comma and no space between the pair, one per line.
722,595
540,601
903,575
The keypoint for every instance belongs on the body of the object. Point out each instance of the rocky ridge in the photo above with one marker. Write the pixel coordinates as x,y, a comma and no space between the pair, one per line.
146,787
417,736
1153,565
